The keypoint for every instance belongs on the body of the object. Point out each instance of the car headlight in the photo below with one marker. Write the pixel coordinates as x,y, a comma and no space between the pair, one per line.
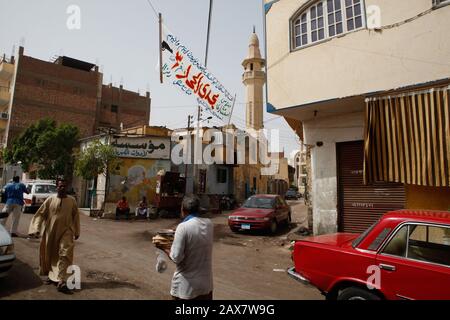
6,250
232,218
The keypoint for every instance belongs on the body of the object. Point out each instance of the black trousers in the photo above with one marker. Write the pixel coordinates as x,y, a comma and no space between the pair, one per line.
120,212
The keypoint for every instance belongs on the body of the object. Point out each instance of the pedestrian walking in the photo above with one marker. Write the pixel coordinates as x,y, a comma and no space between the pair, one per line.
58,223
14,194
192,253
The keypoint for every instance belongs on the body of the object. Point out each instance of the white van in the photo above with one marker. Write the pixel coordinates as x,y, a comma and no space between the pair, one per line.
39,191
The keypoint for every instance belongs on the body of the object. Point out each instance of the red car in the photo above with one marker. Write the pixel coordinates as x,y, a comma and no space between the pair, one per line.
405,255
260,212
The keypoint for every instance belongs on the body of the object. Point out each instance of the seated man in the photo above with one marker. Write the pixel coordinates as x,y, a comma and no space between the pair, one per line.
123,208
142,209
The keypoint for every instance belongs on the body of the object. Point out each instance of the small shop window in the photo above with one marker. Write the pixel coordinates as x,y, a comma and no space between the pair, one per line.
222,175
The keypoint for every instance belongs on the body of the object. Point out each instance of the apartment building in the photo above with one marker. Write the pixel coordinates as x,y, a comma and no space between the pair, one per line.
365,84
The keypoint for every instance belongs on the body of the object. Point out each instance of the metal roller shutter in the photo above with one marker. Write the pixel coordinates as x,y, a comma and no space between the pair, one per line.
361,205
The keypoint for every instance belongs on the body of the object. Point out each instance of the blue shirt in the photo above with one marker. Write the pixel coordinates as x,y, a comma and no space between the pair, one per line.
14,193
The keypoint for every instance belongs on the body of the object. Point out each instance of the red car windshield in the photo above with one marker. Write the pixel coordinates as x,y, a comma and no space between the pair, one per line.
259,203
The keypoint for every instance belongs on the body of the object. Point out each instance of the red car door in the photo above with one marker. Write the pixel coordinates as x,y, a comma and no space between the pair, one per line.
414,264
279,209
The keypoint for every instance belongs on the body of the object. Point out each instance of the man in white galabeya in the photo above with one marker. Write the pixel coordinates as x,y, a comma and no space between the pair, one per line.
14,194
192,253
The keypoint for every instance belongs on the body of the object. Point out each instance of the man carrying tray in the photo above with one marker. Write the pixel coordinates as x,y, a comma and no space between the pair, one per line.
192,253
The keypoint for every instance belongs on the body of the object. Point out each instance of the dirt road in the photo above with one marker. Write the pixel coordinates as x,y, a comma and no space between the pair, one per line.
117,261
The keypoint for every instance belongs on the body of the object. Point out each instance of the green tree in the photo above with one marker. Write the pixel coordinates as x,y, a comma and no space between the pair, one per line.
96,159
46,147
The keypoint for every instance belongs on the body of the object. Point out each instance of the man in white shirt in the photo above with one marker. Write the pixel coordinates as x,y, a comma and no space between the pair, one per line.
192,253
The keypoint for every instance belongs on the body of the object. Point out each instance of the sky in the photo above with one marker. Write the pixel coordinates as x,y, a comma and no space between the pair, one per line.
122,38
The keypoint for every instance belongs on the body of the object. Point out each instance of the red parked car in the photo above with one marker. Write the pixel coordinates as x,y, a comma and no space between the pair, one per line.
260,212
405,255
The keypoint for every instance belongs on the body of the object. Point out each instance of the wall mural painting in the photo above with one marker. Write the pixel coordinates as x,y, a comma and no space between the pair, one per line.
137,178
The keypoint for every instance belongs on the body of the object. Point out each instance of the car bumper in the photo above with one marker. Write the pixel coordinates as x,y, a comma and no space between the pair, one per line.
6,263
293,274
254,225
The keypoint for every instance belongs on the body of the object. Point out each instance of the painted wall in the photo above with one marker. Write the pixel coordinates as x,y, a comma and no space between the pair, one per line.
359,62
418,197
244,174
137,178
212,184
331,130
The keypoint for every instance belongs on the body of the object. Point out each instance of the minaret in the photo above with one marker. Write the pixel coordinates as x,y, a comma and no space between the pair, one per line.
254,79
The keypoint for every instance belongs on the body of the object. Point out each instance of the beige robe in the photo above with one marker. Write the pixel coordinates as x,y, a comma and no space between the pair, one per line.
58,222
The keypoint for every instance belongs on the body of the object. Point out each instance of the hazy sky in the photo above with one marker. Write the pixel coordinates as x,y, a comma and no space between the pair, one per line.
122,38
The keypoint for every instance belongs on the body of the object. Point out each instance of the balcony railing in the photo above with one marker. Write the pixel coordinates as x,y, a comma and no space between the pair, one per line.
254,74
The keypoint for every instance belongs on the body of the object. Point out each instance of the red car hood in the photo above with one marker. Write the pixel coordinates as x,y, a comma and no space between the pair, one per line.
252,212
336,240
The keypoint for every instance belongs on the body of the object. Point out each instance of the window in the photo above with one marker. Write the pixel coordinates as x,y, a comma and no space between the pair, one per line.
222,175
422,243
317,23
353,12
397,245
335,25
44,188
301,31
326,19
429,243
379,239
114,108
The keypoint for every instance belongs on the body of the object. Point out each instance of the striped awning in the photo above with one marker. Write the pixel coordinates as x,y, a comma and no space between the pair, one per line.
407,138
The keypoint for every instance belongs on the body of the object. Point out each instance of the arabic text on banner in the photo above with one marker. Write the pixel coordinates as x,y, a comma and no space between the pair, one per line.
183,70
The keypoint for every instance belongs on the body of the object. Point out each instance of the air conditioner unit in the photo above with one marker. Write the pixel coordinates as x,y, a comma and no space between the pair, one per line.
4,116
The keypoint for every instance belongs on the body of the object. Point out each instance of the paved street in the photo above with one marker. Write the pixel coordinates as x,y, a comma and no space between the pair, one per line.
117,260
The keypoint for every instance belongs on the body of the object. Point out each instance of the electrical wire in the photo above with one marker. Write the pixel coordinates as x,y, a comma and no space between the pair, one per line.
153,8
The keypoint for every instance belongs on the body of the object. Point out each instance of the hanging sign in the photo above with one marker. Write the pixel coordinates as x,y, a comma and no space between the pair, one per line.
184,71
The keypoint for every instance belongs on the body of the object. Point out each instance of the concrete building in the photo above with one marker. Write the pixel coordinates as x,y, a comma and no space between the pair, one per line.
301,173
67,90
143,152
358,80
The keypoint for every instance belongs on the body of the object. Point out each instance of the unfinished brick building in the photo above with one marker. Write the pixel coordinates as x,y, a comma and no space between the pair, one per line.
70,91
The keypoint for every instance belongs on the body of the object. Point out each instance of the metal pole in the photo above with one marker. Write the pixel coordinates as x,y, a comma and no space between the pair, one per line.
188,140
209,31
160,48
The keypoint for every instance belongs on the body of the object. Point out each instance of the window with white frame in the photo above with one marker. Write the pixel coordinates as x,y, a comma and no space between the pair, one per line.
326,19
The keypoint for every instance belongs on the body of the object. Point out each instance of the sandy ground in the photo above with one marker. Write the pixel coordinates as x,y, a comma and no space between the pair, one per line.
117,261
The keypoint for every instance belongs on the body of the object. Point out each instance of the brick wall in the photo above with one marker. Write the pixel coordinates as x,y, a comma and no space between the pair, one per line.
48,90
132,109
68,95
